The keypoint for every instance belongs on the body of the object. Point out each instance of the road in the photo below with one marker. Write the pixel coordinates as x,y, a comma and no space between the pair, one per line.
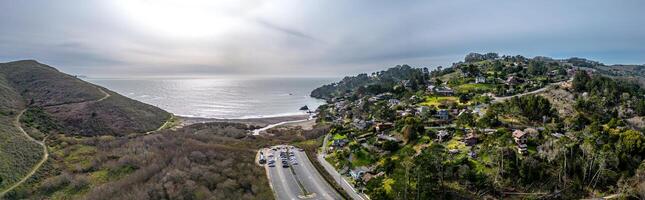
38,165
500,99
301,181
349,189
259,130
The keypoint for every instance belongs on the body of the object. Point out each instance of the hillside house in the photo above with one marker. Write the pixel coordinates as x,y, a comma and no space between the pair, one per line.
423,110
369,176
388,138
442,135
480,79
513,80
357,174
402,113
521,138
430,88
443,114
444,91
472,154
470,139
360,124
393,102
382,126
407,84
339,143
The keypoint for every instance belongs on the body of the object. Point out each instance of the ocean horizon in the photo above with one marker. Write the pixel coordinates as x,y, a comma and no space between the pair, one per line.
221,97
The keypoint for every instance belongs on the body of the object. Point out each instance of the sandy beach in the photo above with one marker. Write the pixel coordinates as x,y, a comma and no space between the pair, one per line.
262,122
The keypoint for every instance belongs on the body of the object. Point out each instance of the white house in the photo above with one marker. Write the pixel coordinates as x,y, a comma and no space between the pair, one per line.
480,79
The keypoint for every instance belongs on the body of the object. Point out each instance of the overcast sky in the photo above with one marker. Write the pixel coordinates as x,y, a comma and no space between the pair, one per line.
308,37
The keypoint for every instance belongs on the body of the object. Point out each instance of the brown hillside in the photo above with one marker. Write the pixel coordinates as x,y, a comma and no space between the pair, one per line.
80,107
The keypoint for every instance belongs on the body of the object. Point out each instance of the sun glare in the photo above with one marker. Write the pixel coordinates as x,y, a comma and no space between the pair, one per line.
178,18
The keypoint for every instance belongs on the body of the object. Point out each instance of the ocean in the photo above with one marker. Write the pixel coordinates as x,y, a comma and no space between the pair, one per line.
225,98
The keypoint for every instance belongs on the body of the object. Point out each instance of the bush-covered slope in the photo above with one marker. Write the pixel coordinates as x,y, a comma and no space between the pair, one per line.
116,115
82,108
200,161
17,153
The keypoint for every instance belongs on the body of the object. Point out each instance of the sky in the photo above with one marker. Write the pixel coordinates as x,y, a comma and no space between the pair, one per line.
308,37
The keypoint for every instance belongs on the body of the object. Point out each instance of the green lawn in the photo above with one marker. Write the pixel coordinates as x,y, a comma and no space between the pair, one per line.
362,158
339,137
472,87
436,101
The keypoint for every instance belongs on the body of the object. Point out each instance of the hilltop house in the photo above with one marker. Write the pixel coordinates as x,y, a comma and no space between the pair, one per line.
520,138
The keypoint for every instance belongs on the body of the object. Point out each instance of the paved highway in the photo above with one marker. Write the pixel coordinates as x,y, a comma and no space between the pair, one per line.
340,180
304,182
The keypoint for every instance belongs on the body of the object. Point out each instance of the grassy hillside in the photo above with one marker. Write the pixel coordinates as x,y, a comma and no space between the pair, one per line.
17,153
81,107
58,103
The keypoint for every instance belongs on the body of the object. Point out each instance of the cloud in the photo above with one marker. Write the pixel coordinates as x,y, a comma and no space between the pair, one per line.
320,37
287,31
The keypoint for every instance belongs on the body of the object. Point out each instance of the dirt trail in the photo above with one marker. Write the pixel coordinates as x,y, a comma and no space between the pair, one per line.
16,123
107,95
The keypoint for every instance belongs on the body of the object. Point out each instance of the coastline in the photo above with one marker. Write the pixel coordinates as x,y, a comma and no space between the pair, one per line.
260,121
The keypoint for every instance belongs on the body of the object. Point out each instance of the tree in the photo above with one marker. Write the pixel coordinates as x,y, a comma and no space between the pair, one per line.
466,119
532,107
580,80
632,142
438,81
488,120
412,129
640,107
536,68
390,146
